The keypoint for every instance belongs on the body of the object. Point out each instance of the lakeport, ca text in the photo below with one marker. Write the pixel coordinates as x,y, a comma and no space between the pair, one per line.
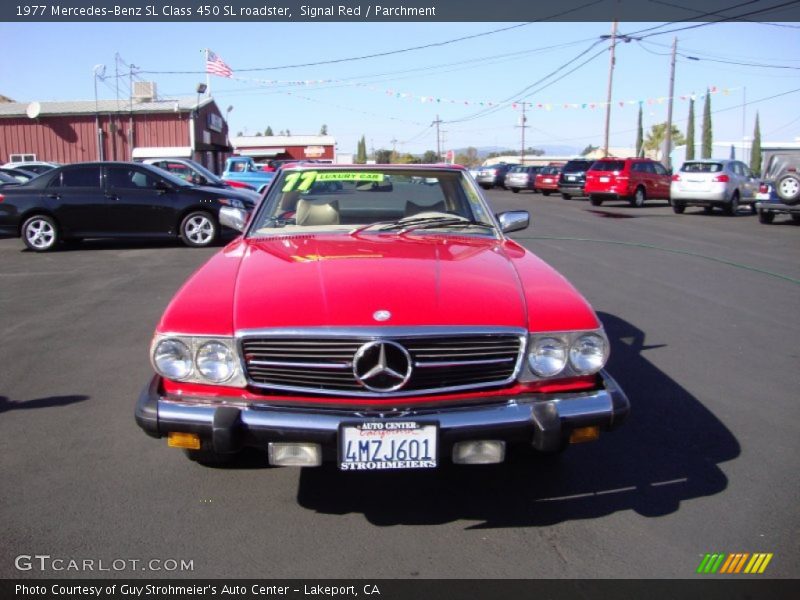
140,591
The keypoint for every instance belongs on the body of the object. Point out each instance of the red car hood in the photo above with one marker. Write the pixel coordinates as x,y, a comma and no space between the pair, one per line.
341,280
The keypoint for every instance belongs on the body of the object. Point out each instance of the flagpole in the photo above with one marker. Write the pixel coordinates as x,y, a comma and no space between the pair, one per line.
208,77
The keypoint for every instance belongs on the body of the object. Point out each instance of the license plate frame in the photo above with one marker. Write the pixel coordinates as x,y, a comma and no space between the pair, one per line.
370,440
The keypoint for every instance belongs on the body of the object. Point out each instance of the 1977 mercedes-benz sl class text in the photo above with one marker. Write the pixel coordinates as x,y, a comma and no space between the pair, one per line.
379,317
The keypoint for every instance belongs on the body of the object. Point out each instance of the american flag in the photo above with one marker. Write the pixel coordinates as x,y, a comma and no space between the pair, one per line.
216,66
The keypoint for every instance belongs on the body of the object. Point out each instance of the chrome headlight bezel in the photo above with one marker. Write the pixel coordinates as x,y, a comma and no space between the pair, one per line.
570,341
195,344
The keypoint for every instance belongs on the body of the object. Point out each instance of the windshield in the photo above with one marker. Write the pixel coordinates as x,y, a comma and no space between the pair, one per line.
206,173
608,165
574,166
374,200
701,167
166,175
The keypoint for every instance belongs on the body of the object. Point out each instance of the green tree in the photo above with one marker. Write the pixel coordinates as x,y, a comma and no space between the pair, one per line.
323,130
383,156
690,132
755,151
469,158
657,135
708,140
361,151
588,150
430,157
268,131
639,133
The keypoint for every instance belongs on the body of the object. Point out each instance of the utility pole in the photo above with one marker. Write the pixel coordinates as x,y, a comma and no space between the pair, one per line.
668,135
393,142
523,127
437,122
610,85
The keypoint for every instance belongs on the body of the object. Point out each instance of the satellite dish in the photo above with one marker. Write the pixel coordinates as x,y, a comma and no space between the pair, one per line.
33,110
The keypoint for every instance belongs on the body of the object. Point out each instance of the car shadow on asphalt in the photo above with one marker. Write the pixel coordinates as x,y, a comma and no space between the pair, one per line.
96,244
669,451
49,402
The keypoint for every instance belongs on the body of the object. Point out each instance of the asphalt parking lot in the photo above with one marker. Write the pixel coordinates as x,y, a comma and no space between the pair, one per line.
702,311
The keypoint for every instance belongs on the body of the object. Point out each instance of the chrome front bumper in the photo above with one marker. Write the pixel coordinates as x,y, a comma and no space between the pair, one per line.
543,420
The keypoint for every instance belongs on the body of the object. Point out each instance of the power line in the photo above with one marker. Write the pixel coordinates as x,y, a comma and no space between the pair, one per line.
393,52
504,103
724,20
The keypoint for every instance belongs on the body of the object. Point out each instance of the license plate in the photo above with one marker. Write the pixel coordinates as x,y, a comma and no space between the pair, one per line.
379,445
570,177
604,180
547,180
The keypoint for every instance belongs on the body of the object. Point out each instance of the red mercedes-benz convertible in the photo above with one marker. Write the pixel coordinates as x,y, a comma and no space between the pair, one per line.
379,317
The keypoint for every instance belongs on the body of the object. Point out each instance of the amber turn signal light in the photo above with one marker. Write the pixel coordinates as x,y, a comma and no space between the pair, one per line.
177,439
584,434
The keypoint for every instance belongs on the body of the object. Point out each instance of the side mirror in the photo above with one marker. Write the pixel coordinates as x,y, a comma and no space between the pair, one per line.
235,218
514,220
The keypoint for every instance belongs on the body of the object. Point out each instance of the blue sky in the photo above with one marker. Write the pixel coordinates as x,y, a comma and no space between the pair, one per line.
380,98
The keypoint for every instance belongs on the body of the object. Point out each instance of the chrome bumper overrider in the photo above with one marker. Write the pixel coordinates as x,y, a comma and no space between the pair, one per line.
540,419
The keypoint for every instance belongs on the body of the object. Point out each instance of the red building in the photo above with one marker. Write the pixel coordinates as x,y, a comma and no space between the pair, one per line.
68,132
300,147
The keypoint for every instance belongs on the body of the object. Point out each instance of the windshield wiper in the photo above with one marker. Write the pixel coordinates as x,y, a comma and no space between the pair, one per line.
410,224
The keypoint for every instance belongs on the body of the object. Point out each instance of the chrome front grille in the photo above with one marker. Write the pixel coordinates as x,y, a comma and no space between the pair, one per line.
323,363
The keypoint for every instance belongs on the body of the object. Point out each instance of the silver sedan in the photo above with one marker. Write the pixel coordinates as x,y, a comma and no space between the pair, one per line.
726,184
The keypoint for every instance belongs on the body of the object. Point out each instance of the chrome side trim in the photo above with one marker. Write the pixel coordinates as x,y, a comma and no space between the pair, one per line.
606,407
300,365
460,363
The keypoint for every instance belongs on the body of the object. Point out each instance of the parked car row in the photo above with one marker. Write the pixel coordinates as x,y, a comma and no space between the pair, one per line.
710,183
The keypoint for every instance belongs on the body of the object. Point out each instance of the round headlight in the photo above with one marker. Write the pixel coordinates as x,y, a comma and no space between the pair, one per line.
588,354
173,359
215,362
548,357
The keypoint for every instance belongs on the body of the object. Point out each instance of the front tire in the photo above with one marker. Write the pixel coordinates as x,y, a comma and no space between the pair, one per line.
40,233
733,205
199,229
638,198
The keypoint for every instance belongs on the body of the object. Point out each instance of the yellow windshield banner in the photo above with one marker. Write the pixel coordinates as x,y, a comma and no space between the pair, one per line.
303,181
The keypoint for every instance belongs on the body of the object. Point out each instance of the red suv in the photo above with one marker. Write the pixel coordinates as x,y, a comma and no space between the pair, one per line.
631,179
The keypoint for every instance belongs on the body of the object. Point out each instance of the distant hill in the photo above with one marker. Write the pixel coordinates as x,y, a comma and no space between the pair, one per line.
551,150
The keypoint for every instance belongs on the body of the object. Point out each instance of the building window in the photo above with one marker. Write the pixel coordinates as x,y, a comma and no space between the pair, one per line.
15,158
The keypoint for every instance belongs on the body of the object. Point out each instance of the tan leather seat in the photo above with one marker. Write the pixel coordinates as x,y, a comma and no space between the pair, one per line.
317,212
